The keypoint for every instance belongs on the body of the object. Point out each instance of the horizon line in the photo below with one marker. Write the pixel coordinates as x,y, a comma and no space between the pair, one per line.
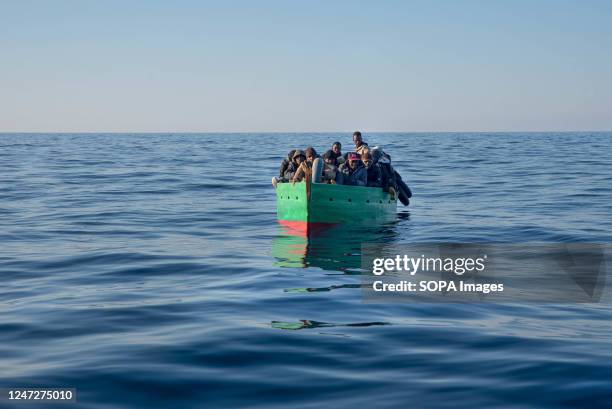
295,132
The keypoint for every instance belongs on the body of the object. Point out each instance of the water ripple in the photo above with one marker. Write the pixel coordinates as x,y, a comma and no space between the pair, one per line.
148,270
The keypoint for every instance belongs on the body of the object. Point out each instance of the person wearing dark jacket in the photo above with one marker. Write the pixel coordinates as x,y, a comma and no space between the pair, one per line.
285,164
337,151
330,168
352,171
383,160
374,175
296,161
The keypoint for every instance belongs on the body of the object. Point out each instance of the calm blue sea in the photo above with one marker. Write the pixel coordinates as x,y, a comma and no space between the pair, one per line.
148,271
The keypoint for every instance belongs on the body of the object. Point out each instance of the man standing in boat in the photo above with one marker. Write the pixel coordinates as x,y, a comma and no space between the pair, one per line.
360,145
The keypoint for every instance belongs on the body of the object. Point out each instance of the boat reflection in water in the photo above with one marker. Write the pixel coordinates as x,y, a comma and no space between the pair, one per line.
333,248
336,249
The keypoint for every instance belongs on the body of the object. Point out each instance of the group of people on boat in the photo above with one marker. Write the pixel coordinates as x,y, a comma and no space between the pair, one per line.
364,166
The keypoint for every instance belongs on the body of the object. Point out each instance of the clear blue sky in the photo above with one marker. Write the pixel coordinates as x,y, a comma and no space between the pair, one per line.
305,65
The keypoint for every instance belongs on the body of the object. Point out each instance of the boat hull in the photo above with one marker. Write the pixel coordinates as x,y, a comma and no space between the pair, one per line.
308,206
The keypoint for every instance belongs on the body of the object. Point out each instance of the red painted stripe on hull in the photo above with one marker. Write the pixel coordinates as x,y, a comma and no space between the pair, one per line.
302,228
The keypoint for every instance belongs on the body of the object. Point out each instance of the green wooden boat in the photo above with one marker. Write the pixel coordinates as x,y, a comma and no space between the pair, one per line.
306,206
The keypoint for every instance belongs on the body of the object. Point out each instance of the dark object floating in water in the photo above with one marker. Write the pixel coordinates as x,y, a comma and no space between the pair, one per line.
304,324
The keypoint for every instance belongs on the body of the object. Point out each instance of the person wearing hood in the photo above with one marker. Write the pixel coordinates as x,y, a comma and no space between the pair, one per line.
305,169
373,172
383,160
283,168
289,172
352,172
285,163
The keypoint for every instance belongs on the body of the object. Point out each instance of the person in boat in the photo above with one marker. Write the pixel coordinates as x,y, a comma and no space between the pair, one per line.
337,150
352,172
374,175
283,168
311,154
305,169
387,173
330,168
298,158
360,145
285,164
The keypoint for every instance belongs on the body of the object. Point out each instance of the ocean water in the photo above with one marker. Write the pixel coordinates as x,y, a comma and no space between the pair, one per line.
149,271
